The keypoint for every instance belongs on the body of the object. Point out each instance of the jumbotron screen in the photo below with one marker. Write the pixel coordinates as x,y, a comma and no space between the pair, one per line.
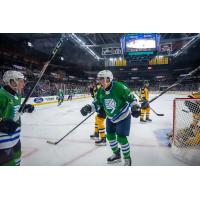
142,42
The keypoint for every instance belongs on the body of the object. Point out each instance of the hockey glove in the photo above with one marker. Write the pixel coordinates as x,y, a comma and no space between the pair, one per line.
86,110
28,108
8,126
135,110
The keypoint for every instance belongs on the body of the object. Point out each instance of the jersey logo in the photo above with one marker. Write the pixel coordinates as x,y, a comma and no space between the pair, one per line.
110,104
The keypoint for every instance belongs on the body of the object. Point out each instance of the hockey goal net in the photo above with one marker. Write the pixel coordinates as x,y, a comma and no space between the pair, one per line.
186,130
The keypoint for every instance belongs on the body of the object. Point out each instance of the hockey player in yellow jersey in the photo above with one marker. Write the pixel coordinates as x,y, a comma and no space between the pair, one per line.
144,97
99,131
191,135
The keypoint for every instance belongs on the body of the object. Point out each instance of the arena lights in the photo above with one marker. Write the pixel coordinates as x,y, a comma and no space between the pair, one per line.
159,56
160,77
91,78
72,77
61,58
29,44
134,69
149,67
135,78
83,45
112,59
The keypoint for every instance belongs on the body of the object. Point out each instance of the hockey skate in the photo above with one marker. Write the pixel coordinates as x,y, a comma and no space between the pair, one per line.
101,142
94,136
127,162
148,120
115,158
142,121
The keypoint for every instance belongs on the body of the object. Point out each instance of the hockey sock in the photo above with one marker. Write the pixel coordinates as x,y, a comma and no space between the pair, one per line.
17,157
113,142
124,145
96,130
102,132
101,126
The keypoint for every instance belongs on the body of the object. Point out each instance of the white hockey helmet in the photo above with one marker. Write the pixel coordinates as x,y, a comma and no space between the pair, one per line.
12,75
106,74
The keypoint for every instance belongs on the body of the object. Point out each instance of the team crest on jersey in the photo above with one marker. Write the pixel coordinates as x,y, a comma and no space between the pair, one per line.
110,104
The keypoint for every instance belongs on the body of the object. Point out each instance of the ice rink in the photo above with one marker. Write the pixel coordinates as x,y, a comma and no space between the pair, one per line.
49,122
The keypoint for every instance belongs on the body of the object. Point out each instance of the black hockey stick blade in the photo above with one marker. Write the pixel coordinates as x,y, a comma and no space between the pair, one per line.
50,142
160,114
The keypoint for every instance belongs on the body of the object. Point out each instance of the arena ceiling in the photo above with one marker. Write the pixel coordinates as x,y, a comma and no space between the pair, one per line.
31,50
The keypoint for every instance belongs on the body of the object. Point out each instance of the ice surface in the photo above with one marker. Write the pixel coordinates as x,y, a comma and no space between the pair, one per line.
49,122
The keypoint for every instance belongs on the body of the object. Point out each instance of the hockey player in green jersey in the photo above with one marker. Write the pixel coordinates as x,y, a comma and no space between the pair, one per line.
60,97
10,123
116,100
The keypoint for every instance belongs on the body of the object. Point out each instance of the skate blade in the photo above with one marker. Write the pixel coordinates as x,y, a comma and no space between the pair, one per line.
95,139
115,161
102,144
143,122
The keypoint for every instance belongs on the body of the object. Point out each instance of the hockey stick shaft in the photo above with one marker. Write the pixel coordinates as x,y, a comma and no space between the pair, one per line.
71,130
175,84
54,51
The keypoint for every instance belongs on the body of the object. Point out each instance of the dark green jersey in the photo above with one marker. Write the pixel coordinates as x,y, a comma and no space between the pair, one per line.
61,94
115,101
9,106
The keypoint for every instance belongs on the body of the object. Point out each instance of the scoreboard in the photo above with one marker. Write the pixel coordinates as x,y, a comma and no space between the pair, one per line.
140,44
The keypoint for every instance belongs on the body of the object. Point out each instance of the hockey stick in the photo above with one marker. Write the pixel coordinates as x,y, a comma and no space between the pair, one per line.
50,142
175,84
54,51
158,114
